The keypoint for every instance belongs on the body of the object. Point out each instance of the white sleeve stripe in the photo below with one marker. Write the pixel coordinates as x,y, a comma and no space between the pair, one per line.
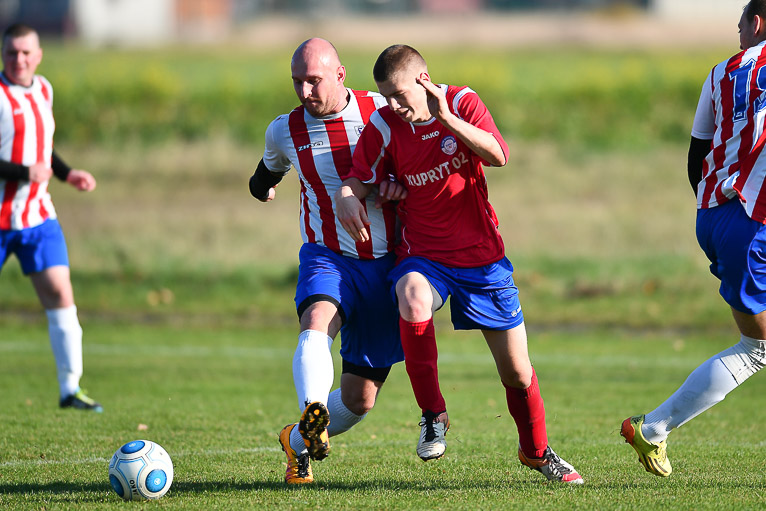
385,131
458,97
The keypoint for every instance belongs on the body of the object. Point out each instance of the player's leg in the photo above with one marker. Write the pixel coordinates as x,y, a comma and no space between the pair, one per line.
418,300
734,243
370,342
349,404
43,256
313,374
525,403
709,383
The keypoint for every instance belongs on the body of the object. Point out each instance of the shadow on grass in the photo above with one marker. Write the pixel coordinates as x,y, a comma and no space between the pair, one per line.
94,492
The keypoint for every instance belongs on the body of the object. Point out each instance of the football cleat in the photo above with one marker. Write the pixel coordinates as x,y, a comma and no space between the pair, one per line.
652,455
552,467
298,465
313,428
81,401
431,445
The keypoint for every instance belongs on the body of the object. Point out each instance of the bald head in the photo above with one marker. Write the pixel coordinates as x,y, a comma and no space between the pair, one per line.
318,77
317,49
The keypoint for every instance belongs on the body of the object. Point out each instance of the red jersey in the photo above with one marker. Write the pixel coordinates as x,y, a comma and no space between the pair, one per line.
26,137
446,216
732,112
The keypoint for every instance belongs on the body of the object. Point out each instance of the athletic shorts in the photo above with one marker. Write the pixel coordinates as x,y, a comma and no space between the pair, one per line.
37,248
483,298
359,288
735,244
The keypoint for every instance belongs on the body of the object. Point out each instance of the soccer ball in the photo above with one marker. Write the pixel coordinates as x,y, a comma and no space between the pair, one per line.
141,470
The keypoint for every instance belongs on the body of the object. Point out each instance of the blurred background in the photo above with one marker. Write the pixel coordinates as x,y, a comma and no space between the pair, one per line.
166,103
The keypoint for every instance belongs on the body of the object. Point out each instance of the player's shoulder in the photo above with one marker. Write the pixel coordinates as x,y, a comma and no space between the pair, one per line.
377,98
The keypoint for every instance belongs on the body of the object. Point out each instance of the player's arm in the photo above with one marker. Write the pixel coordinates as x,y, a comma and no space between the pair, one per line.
349,209
263,181
698,150
275,163
80,179
481,142
703,131
37,173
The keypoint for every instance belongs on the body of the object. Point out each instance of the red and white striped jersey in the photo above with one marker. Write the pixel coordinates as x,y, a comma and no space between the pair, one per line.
446,216
732,112
320,149
26,137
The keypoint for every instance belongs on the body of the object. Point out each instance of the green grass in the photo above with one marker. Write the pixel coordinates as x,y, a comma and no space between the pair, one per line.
215,399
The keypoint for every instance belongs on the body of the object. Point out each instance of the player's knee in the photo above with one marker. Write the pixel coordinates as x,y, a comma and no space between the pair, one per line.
745,358
517,379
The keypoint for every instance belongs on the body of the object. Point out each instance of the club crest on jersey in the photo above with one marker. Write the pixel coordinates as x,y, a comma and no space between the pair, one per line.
449,145
358,130
307,146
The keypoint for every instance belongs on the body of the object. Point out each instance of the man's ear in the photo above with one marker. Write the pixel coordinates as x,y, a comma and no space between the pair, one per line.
759,26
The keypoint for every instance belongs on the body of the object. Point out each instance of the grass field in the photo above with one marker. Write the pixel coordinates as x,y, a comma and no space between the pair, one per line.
215,399
184,286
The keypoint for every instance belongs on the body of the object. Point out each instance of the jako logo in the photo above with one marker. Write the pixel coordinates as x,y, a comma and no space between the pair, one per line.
430,135
307,146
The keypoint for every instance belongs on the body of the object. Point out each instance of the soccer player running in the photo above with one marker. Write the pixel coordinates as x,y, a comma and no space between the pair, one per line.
434,139
341,283
726,167
28,225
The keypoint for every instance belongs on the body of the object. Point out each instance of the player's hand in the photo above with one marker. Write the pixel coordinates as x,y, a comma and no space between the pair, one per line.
82,180
270,196
390,191
351,214
40,172
437,101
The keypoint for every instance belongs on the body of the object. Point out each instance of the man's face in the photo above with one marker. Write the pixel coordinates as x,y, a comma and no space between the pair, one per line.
405,96
318,84
21,56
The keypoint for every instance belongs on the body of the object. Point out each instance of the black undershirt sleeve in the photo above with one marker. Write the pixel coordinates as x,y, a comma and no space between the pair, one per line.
262,180
13,171
60,168
698,150
17,172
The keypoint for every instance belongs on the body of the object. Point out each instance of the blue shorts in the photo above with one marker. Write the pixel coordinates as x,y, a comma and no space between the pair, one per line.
736,247
370,332
37,248
483,298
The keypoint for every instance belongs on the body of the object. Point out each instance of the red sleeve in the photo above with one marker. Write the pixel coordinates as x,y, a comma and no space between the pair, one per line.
371,160
473,110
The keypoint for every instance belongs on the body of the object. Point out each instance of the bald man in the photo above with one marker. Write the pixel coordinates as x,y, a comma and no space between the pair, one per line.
341,283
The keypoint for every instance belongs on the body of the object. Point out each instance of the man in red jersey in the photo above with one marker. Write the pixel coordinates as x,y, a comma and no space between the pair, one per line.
727,168
434,139
341,283
28,224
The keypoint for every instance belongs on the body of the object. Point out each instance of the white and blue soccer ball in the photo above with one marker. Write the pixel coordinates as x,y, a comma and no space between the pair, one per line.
141,470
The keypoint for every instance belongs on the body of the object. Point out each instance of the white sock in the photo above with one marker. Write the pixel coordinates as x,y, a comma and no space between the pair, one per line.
705,386
66,342
341,418
313,370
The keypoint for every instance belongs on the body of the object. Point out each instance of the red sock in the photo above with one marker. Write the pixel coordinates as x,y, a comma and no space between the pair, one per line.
420,356
526,407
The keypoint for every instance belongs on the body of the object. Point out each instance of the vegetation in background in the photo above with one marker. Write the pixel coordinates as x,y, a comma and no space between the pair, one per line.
591,99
